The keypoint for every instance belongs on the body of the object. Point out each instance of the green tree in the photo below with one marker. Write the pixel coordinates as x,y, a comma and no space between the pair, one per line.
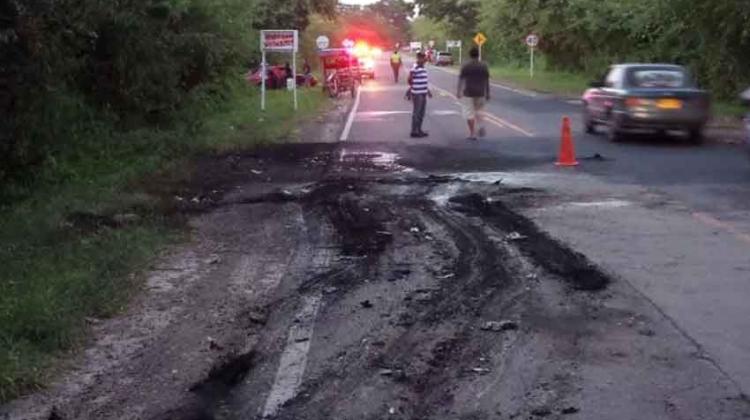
70,66
460,15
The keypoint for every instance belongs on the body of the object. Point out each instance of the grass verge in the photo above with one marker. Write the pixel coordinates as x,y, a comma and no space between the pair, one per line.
71,248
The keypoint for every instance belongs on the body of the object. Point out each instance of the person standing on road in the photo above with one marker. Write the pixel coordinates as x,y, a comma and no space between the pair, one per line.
396,64
419,91
474,92
307,72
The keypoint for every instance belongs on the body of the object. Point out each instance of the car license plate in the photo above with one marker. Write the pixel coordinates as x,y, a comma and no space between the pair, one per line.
669,104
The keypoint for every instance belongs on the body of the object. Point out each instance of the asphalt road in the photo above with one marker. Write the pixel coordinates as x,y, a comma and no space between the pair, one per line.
376,276
672,219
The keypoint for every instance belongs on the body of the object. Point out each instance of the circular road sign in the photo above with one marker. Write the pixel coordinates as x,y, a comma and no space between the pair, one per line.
322,42
532,40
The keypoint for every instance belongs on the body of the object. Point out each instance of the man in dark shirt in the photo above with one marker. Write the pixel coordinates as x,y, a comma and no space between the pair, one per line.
474,92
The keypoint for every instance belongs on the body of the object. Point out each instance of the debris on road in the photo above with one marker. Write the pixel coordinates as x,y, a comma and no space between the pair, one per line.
330,290
647,332
569,410
499,326
596,157
256,172
480,370
541,412
366,304
213,345
515,236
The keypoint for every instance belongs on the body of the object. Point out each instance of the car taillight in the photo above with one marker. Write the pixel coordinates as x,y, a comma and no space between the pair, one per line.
637,102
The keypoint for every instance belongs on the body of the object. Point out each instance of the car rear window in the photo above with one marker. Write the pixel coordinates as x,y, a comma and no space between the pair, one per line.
658,78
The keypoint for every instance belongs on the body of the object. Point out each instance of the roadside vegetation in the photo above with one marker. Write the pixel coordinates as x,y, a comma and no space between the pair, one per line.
583,37
97,101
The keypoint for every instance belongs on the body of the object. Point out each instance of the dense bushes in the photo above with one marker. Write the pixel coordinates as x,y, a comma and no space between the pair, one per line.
71,68
710,36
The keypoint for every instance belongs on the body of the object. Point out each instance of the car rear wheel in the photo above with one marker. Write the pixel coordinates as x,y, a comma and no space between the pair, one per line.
695,135
615,133
588,123
333,89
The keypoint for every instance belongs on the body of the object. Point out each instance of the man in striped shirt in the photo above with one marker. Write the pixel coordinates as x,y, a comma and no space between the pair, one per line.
419,91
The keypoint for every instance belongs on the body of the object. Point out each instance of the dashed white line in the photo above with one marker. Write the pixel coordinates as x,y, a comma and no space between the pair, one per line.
294,358
350,120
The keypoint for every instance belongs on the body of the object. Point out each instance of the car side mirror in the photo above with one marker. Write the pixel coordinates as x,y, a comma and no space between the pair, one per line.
596,84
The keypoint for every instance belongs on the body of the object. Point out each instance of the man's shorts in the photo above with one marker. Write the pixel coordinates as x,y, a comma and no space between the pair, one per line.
471,106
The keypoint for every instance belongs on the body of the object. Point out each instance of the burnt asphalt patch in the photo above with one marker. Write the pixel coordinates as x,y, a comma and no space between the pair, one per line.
435,301
549,253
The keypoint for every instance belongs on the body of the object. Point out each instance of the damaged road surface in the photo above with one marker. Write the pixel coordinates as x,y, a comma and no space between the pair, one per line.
384,277
334,282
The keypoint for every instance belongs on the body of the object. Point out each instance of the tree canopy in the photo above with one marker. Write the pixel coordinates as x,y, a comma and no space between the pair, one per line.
710,36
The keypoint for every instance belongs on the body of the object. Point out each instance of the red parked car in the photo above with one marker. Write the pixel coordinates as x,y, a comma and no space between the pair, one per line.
276,78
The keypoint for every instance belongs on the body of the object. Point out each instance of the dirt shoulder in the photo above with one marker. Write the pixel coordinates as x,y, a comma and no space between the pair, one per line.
323,281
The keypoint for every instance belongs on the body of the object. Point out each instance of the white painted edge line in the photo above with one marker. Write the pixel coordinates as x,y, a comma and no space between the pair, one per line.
350,120
294,358
526,93
523,92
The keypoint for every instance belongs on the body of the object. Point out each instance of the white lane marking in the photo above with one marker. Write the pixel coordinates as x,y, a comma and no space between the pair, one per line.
441,112
371,114
523,92
380,113
294,358
443,92
383,88
575,102
350,120
605,204
526,93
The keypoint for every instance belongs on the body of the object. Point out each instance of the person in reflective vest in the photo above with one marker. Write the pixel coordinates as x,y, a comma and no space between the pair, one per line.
396,64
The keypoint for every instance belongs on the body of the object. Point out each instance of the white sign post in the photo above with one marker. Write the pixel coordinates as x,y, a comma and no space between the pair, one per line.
532,41
456,44
283,41
480,39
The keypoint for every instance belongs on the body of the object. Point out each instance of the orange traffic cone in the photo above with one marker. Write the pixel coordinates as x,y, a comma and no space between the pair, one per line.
567,150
